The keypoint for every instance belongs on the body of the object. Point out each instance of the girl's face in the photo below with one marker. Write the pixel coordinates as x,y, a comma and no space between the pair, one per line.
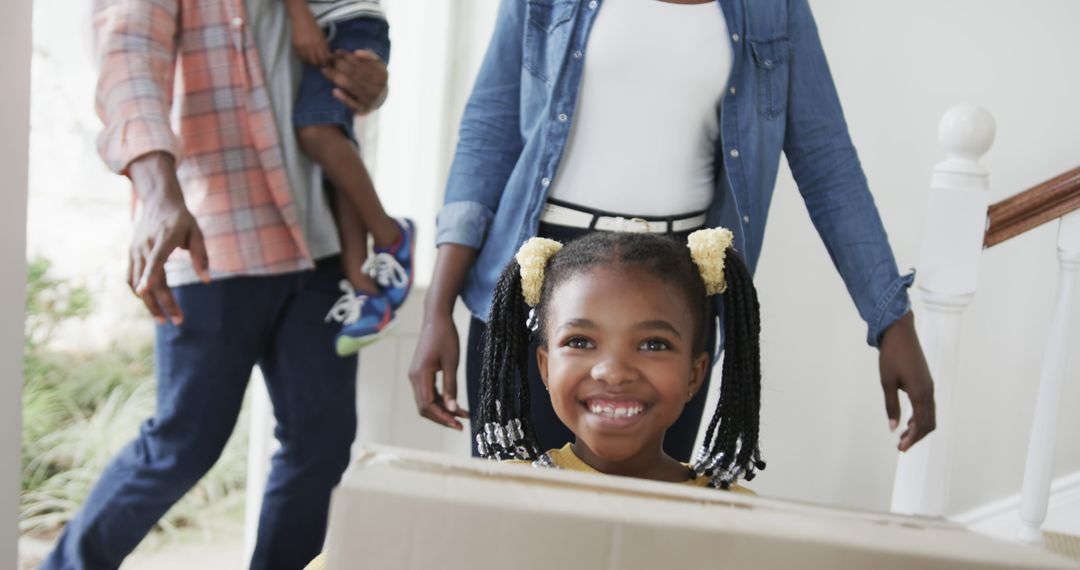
619,361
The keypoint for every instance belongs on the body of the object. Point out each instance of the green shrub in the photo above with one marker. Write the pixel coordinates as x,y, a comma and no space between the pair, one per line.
80,409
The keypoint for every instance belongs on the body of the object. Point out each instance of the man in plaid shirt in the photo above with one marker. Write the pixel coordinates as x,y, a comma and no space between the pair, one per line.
234,254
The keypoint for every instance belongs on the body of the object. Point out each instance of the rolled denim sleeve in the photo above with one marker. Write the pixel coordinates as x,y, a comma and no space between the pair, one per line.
463,223
490,139
894,303
830,178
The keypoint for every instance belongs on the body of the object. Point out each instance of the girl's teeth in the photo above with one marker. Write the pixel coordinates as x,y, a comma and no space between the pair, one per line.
612,411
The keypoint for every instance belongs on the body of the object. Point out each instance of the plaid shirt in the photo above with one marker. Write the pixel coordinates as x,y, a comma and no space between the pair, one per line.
184,77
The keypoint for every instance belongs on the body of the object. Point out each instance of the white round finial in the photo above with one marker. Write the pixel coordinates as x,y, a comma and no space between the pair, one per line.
967,131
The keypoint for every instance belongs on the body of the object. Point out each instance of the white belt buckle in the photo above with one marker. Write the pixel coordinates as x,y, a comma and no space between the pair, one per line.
635,225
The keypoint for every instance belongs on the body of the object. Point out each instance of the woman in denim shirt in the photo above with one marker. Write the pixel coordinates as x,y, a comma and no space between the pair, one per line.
574,127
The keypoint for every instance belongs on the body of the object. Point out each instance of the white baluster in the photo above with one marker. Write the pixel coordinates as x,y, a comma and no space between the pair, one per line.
1040,456
948,267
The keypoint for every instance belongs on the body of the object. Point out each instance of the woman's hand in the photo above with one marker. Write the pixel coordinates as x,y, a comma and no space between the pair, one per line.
903,367
437,352
308,40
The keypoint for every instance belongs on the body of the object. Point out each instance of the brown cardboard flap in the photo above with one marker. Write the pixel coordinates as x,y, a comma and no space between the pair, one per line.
408,510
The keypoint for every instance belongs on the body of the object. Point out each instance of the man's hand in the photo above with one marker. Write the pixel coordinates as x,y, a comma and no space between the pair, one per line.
308,39
360,78
903,367
163,223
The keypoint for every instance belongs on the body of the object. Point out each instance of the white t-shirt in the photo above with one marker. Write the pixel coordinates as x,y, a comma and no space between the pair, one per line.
643,136
271,27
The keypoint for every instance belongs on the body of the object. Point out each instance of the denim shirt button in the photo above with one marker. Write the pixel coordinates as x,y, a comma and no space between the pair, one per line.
593,5
735,38
732,90
746,219
545,182
563,118
734,153
578,54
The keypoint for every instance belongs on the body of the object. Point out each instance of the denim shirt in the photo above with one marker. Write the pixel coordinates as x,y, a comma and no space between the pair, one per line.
780,98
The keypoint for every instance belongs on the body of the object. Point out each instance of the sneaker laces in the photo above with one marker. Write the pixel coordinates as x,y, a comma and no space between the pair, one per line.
385,269
347,308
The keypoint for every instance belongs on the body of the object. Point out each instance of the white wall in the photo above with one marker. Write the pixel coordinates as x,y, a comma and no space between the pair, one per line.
14,128
83,196
898,67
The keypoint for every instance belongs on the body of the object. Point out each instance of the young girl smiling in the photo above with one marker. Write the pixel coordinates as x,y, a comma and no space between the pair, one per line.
621,319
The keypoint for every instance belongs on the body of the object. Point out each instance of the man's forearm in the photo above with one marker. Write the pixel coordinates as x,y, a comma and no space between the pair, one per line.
154,177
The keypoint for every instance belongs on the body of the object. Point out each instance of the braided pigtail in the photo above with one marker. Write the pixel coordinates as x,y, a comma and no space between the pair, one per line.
505,429
730,450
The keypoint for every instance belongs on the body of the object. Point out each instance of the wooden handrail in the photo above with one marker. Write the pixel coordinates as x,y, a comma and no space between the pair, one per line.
1032,208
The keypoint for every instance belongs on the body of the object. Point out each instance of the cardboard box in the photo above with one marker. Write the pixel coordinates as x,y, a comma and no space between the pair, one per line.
408,510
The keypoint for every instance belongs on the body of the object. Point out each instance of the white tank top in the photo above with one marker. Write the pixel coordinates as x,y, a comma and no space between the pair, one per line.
643,134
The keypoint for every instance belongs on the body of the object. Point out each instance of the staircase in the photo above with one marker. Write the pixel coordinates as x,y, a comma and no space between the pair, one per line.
960,225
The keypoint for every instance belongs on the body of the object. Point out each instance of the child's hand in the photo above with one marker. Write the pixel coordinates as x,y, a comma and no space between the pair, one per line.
309,41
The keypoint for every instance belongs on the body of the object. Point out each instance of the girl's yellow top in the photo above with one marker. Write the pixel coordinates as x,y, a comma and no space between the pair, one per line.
564,458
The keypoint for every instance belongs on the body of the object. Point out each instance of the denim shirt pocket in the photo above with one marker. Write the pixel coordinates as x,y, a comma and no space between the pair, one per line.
771,67
547,35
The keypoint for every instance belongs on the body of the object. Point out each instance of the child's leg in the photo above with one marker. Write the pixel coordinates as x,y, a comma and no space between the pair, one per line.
328,146
354,243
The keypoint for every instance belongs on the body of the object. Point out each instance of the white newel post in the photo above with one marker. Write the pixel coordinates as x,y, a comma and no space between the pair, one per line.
947,270
1040,457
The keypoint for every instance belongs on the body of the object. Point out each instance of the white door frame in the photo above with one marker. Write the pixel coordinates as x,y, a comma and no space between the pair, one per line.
14,157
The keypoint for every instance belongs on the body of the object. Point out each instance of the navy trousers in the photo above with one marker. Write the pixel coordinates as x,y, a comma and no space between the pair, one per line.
202,369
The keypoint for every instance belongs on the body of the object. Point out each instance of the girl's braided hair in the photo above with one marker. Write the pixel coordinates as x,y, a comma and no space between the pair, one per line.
505,429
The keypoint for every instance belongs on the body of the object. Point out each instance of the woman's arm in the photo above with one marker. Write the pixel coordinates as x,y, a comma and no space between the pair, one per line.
489,140
438,350
489,144
831,181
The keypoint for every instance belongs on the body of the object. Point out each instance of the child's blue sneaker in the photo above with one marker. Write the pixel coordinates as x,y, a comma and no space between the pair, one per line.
364,319
392,267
